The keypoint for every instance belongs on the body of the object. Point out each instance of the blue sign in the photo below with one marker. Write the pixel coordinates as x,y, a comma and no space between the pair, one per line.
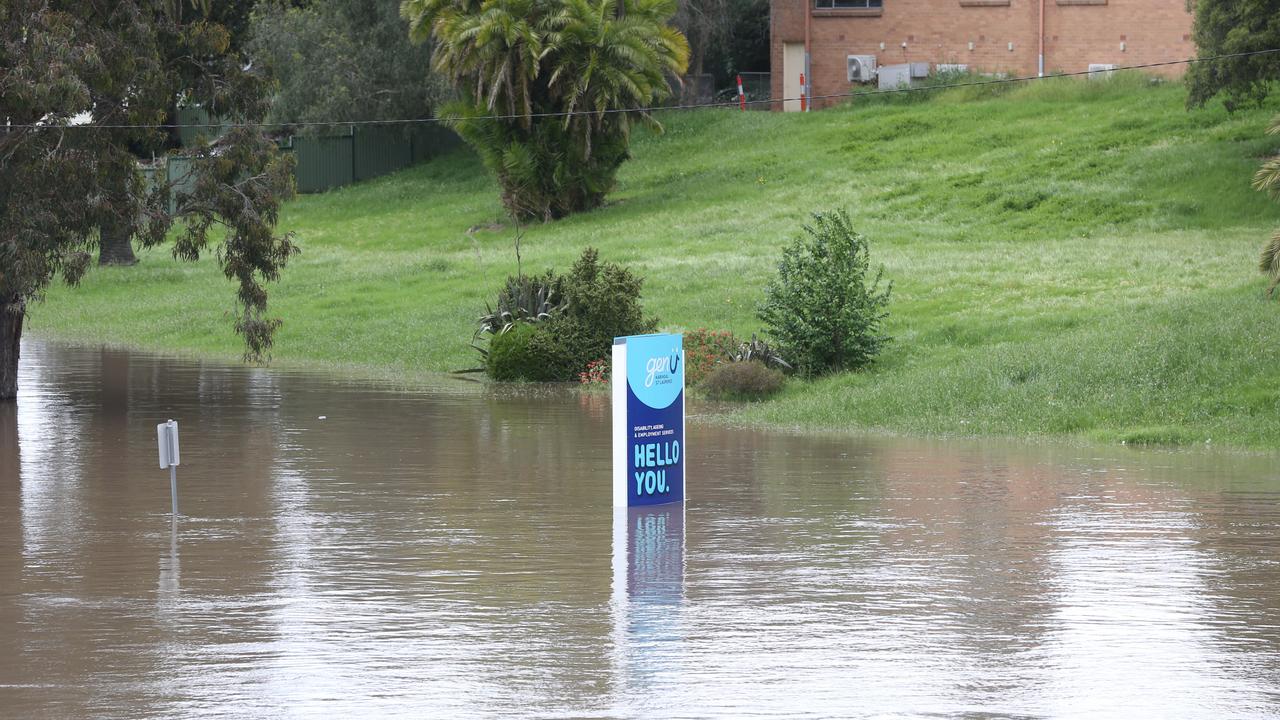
648,420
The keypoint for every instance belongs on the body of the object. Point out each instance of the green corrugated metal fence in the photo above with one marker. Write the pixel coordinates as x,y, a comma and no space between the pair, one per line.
324,162
177,171
379,150
194,122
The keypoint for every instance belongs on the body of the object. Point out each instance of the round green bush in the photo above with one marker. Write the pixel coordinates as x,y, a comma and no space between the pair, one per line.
603,302
742,381
528,352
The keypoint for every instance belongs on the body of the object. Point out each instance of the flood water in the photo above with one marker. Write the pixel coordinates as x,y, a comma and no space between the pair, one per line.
451,552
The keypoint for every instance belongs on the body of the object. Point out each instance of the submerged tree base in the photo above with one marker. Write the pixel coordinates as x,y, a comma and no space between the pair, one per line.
12,313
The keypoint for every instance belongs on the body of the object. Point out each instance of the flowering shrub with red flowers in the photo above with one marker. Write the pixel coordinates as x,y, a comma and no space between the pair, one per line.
597,372
704,350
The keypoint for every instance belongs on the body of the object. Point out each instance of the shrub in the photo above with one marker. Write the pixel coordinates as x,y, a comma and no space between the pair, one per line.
576,317
820,308
597,373
704,350
526,352
742,381
603,302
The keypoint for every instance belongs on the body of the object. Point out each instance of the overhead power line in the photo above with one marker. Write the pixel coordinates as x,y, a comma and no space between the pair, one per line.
695,106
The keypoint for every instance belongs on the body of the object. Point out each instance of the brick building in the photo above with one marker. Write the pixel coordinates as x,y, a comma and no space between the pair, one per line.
983,35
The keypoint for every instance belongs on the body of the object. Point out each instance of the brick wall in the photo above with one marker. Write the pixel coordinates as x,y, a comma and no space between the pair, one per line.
1077,33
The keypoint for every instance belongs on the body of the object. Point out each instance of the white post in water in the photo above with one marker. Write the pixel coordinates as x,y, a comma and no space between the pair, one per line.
167,437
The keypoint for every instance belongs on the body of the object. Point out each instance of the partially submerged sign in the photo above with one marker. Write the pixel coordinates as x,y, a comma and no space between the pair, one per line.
167,440
648,420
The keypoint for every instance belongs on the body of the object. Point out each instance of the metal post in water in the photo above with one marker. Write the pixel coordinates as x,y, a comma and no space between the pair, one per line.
173,489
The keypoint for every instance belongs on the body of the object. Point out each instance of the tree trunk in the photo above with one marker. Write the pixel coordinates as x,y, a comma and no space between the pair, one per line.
115,246
12,312
9,460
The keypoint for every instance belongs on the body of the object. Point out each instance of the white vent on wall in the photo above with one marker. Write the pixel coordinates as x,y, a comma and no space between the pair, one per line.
862,68
944,68
1100,70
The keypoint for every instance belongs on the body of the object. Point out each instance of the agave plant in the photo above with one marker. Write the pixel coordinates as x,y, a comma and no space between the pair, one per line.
523,299
759,351
1268,180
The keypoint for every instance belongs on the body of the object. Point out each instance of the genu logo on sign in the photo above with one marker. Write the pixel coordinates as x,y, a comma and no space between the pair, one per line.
655,368
662,369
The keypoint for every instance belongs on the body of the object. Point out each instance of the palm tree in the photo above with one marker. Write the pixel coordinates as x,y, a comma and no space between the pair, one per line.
551,88
607,60
1268,180
490,48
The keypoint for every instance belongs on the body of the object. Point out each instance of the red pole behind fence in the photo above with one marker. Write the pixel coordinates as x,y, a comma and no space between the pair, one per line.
742,97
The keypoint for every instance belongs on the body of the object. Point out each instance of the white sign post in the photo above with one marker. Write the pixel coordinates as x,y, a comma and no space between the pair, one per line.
167,437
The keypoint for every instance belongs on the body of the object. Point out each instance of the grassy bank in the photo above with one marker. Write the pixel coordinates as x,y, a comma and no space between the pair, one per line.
1068,258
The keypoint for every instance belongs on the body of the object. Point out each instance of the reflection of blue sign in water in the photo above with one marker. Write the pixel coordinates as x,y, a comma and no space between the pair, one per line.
655,554
648,420
648,599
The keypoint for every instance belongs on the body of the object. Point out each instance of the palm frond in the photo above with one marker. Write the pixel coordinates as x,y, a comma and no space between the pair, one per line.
1269,263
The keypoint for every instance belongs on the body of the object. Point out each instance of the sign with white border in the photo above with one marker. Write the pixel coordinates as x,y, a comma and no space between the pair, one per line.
648,420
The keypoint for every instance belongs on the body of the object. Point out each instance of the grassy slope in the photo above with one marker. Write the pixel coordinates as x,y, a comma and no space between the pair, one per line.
1069,258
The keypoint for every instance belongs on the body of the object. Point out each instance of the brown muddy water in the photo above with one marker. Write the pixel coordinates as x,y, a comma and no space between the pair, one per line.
450,552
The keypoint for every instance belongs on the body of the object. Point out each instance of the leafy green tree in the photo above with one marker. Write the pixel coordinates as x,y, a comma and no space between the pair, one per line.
193,56
1224,27
744,44
823,309
568,77
342,60
706,24
1268,180
124,63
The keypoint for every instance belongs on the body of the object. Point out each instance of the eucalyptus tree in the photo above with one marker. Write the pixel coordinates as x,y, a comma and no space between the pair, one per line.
706,24
195,53
551,88
341,60
119,65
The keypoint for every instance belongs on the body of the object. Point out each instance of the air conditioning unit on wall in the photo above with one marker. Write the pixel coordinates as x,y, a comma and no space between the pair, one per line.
862,68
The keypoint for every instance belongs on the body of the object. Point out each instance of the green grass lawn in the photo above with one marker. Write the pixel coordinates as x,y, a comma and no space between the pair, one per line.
1069,258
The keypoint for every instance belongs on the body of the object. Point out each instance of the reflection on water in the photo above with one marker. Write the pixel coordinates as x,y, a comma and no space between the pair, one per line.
649,544
453,551
648,595
170,570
